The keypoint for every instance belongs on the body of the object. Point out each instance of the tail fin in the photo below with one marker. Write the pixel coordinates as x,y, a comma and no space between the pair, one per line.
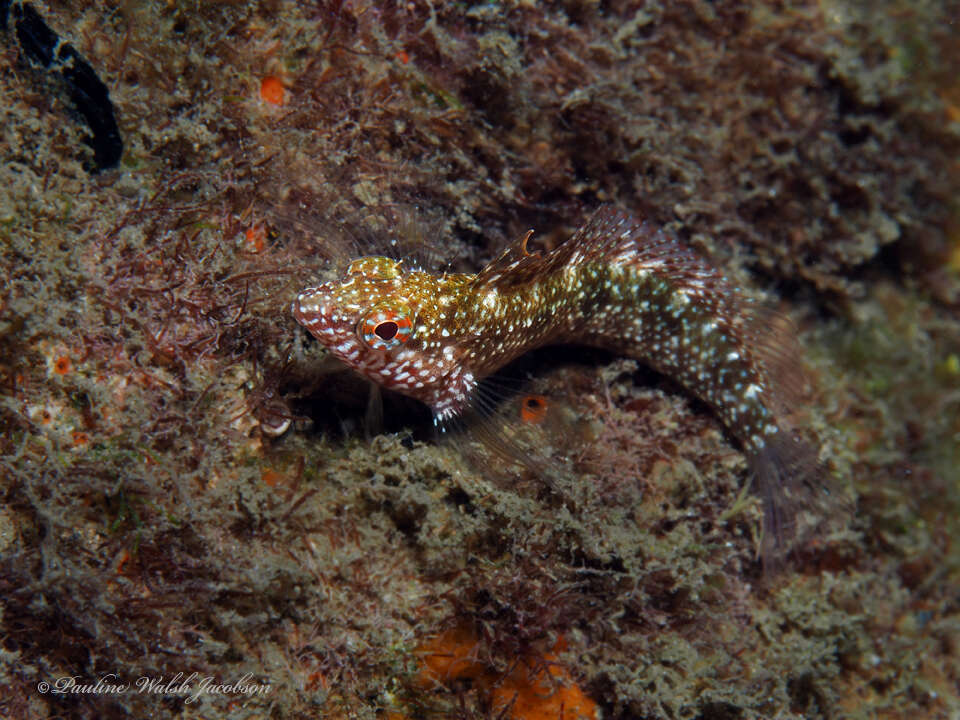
799,496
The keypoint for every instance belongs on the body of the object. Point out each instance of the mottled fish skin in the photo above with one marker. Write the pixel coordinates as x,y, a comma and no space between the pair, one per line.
619,283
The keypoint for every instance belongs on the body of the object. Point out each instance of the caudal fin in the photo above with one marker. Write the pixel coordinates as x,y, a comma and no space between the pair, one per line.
799,496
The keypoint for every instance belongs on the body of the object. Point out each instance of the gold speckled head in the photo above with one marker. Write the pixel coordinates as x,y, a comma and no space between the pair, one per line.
386,324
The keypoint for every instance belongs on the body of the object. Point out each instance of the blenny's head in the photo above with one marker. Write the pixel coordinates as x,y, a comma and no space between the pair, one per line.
391,326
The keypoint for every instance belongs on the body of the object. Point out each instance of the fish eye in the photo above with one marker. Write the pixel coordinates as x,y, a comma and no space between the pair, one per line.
385,327
386,331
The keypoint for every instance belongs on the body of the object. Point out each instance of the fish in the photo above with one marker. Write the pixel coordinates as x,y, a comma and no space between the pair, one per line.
620,283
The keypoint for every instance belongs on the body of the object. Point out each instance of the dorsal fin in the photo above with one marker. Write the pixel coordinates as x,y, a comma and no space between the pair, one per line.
515,266
609,235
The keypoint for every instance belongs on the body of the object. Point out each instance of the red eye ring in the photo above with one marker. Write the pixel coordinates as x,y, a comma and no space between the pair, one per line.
385,327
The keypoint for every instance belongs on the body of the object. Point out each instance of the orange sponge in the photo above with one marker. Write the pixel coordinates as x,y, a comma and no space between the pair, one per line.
533,689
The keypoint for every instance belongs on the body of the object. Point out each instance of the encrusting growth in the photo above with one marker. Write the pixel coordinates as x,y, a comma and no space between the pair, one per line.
620,284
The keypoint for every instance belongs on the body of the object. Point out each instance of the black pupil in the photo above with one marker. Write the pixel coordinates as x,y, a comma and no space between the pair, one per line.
533,403
387,330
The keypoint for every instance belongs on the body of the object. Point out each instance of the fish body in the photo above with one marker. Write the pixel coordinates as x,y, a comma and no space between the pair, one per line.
619,283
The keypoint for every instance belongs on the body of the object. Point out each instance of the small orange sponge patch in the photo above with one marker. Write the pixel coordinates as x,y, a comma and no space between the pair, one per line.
534,689
272,90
